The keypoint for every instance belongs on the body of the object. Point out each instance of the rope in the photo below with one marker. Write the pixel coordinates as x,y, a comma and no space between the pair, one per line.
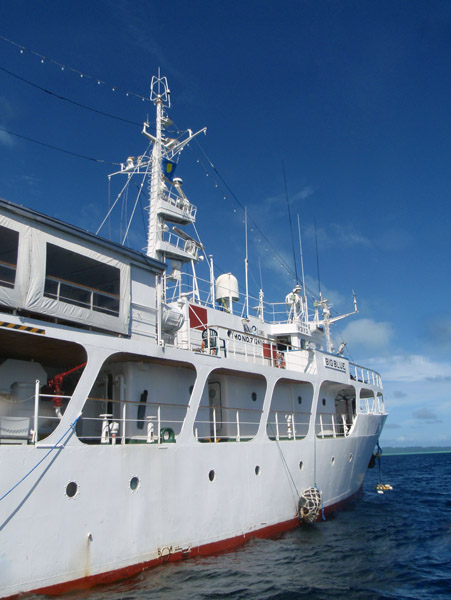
71,427
63,67
379,454
65,99
23,137
283,460
315,485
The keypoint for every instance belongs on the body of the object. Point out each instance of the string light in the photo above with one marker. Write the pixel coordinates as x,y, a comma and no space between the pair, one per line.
43,59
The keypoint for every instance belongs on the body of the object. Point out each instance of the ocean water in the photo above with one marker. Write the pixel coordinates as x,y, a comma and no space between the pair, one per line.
395,545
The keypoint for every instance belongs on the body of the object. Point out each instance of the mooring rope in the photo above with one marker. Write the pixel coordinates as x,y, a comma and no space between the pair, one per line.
71,427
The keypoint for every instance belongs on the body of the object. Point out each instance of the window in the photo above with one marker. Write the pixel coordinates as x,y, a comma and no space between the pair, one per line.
9,242
82,281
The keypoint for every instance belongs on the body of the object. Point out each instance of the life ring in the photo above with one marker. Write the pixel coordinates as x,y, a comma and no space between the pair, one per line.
167,435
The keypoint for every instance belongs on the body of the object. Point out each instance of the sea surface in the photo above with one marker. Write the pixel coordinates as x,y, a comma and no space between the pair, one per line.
395,545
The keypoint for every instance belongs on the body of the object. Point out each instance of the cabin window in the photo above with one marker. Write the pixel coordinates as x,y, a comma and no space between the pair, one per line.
9,242
82,281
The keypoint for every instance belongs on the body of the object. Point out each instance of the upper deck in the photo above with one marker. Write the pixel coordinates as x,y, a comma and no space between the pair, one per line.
53,271
56,271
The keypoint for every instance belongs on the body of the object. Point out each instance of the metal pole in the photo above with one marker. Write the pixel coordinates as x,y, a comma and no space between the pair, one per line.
37,387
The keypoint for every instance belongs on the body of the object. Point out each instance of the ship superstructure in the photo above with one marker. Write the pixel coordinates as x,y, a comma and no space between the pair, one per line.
147,415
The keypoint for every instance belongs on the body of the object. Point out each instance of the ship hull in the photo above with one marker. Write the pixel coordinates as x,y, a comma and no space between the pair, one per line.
107,531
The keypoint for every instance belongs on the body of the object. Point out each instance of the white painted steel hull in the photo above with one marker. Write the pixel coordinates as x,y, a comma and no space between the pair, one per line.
46,538
51,541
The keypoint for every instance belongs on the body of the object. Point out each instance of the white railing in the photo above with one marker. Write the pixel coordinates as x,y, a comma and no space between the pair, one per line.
200,291
106,421
178,243
7,274
283,425
248,347
372,405
251,348
364,375
45,421
81,295
188,209
226,424
333,426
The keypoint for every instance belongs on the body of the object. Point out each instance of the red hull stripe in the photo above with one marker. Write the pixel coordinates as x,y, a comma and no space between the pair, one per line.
206,549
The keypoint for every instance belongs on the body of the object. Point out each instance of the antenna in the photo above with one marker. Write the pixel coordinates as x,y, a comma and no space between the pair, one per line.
246,264
317,258
291,226
302,264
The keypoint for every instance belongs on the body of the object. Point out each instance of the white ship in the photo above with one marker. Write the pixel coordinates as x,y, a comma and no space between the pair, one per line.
147,415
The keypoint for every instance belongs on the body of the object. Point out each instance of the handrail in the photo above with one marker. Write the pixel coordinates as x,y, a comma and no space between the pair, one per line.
365,375
83,287
90,290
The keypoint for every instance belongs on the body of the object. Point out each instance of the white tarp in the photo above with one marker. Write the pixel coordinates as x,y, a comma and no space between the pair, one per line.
28,292
15,297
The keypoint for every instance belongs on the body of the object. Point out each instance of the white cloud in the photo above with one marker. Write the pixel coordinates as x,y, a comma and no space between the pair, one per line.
426,415
369,334
6,139
303,193
438,332
336,234
410,368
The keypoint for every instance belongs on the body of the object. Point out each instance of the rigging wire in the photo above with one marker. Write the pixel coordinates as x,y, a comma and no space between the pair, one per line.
65,99
283,263
103,113
63,67
70,430
291,224
28,139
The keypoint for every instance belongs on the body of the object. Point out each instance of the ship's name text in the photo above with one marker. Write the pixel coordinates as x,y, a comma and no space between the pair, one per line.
335,363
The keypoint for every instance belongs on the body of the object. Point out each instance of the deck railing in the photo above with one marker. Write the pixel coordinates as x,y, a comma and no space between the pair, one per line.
229,424
81,295
286,425
248,347
364,375
333,426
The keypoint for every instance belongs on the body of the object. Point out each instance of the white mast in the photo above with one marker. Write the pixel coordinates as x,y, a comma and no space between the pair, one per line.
168,202
160,95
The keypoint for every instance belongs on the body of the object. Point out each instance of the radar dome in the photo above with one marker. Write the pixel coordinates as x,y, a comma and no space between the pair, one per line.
227,290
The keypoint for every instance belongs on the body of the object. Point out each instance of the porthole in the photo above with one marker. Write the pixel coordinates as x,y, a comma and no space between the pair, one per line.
332,460
257,470
71,489
254,396
324,401
211,393
299,399
134,484
350,457
212,475
301,465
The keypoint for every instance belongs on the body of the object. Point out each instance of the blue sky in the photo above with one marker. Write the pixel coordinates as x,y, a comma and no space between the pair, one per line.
350,98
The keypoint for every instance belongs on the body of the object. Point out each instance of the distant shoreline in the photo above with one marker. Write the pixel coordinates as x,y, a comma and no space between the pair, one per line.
390,451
